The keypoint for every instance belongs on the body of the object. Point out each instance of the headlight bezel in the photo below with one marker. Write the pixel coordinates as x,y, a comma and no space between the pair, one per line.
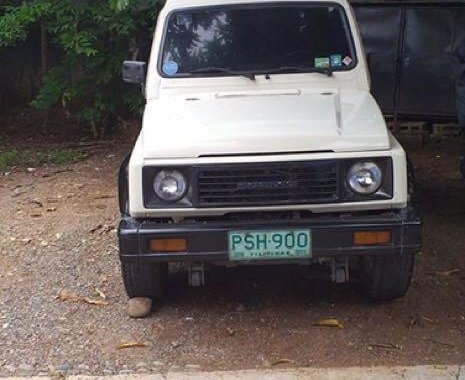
368,171
384,191
170,175
152,201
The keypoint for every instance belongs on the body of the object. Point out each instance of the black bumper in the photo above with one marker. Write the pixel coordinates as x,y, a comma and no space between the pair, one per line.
332,235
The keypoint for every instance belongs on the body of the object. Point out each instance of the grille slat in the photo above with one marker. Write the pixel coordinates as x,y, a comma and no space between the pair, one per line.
329,188
266,175
234,183
268,184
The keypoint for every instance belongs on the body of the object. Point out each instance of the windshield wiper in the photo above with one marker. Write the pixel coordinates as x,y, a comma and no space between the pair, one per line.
212,70
297,69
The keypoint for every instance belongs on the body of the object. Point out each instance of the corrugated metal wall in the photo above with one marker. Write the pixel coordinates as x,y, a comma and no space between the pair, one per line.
416,52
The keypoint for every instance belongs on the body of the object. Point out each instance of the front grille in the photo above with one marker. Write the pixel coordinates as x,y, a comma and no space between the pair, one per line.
268,184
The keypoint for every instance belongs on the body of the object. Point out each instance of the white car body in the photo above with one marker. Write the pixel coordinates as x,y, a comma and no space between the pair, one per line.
287,117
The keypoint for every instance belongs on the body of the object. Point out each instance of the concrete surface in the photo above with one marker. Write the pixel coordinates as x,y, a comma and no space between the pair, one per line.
449,372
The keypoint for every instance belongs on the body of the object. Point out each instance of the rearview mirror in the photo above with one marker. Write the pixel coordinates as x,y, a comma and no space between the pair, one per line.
134,72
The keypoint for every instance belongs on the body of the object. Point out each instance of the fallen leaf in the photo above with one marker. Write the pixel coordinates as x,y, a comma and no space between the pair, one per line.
108,228
95,302
230,331
104,197
36,202
429,320
70,297
131,345
413,322
329,322
100,293
445,273
176,344
96,228
389,346
282,361
18,192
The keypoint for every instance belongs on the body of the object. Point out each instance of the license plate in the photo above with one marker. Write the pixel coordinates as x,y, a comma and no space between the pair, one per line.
269,245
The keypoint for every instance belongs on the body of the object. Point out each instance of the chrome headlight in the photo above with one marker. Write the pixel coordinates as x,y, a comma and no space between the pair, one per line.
170,185
365,178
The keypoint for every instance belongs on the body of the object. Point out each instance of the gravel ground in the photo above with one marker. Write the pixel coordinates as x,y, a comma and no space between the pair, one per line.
62,303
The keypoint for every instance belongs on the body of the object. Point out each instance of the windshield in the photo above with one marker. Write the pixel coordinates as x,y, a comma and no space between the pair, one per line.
234,39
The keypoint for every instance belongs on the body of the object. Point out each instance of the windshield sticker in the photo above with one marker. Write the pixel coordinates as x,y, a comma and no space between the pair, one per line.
170,68
336,60
321,62
347,60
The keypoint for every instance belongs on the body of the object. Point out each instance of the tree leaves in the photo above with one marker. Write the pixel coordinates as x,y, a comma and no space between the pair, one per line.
119,5
93,38
16,21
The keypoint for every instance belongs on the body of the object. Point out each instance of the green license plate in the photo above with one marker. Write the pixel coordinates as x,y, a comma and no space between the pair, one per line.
269,245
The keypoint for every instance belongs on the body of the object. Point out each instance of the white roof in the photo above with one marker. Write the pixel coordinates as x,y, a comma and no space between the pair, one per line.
176,4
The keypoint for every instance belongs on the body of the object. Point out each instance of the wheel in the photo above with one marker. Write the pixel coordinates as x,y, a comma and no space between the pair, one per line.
386,277
144,280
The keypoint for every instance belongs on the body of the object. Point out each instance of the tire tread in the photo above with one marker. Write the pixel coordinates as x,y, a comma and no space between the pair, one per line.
144,280
387,277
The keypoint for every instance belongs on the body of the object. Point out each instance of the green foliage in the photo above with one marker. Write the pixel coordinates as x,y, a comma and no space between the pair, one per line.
58,157
25,158
16,21
94,37
8,159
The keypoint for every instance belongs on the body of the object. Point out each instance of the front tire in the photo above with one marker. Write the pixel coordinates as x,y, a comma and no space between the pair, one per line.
144,279
387,277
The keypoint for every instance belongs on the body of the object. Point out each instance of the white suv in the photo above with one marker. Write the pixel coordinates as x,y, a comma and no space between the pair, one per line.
261,143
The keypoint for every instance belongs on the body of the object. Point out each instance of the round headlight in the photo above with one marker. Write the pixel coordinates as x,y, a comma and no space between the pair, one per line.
365,178
170,185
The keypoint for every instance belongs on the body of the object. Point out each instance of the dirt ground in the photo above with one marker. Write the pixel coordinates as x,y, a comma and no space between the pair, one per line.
58,245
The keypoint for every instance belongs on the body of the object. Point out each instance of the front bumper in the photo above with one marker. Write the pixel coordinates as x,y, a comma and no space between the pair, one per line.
332,235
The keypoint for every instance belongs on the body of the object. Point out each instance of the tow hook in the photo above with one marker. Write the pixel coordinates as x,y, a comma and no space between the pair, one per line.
196,274
340,270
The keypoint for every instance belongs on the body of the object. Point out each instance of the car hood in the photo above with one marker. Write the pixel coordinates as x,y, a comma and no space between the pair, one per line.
259,122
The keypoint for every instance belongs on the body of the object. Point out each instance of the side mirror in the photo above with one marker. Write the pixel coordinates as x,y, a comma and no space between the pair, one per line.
134,72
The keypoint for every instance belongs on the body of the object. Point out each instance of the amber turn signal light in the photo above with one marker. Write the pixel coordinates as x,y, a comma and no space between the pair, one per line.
372,237
168,245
